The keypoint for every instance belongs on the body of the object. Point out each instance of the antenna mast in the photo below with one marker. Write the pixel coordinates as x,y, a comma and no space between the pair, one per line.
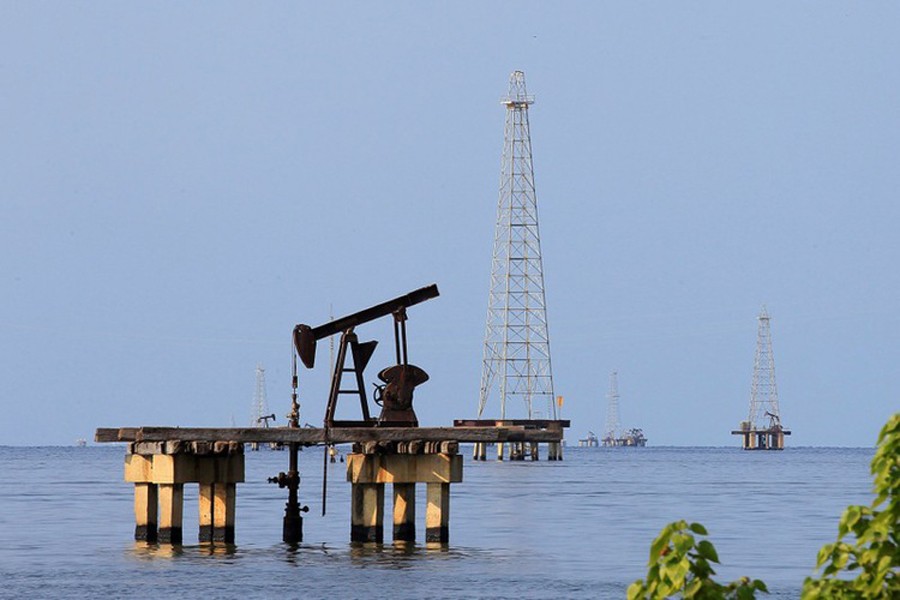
516,341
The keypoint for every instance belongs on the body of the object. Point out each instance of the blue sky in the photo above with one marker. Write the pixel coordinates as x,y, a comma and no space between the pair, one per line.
182,183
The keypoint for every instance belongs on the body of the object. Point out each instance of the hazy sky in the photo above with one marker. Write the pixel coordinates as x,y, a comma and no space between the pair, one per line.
181,183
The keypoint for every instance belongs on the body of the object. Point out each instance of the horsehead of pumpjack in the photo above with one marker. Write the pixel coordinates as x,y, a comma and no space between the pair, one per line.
395,394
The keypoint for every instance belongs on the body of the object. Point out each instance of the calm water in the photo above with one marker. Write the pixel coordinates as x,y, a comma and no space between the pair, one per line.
576,529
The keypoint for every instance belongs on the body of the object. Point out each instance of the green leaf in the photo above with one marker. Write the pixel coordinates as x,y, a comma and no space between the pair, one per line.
636,590
707,551
698,528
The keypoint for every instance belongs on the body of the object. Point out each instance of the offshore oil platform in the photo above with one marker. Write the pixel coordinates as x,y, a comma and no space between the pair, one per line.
615,437
763,429
516,377
390,447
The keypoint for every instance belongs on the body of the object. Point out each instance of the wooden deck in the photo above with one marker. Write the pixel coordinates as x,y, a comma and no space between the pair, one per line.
311,436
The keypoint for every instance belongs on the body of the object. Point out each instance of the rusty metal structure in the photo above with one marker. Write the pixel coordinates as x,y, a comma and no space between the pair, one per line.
394,394
516,359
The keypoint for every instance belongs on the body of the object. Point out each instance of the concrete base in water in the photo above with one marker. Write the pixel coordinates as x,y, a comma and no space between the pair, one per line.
762,439
368,474
159,471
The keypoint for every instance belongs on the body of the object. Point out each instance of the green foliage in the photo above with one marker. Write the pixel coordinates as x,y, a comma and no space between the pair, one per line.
867,566
681,564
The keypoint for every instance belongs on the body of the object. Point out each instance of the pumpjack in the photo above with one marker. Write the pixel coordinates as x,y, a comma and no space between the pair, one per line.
394,394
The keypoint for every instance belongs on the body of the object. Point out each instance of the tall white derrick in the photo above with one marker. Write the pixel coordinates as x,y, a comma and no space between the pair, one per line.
517,343
764,411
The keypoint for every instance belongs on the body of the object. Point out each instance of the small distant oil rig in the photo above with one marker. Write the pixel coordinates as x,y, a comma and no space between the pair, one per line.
763,430
260,415
614,436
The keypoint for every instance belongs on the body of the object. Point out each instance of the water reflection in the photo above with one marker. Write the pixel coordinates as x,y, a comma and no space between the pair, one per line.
152,551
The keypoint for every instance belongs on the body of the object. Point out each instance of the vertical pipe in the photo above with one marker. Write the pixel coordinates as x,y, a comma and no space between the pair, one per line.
292,529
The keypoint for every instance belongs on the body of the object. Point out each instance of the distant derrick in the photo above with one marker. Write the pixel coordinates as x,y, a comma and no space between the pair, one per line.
260,410
763,430
516,361
612,411
614,436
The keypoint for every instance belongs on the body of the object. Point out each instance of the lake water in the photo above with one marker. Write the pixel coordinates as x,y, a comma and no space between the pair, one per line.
580,528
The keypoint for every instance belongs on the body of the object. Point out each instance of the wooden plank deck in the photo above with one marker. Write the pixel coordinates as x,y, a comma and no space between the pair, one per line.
314,435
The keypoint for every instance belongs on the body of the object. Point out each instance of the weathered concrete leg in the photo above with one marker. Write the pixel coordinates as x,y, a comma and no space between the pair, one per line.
205,505
404,512
437,513
535,451
171,510
500,446
476,451
367,512
515,451
145,510
224,496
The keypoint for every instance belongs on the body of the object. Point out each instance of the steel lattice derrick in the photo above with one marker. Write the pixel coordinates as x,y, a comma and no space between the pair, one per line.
764,411
612,409
517,342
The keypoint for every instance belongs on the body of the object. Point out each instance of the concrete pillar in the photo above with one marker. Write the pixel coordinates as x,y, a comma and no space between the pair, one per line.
367,512
145,511
205,506
500,446
535,451
437,513
517,451
480,452
171,510
404,512
224,497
